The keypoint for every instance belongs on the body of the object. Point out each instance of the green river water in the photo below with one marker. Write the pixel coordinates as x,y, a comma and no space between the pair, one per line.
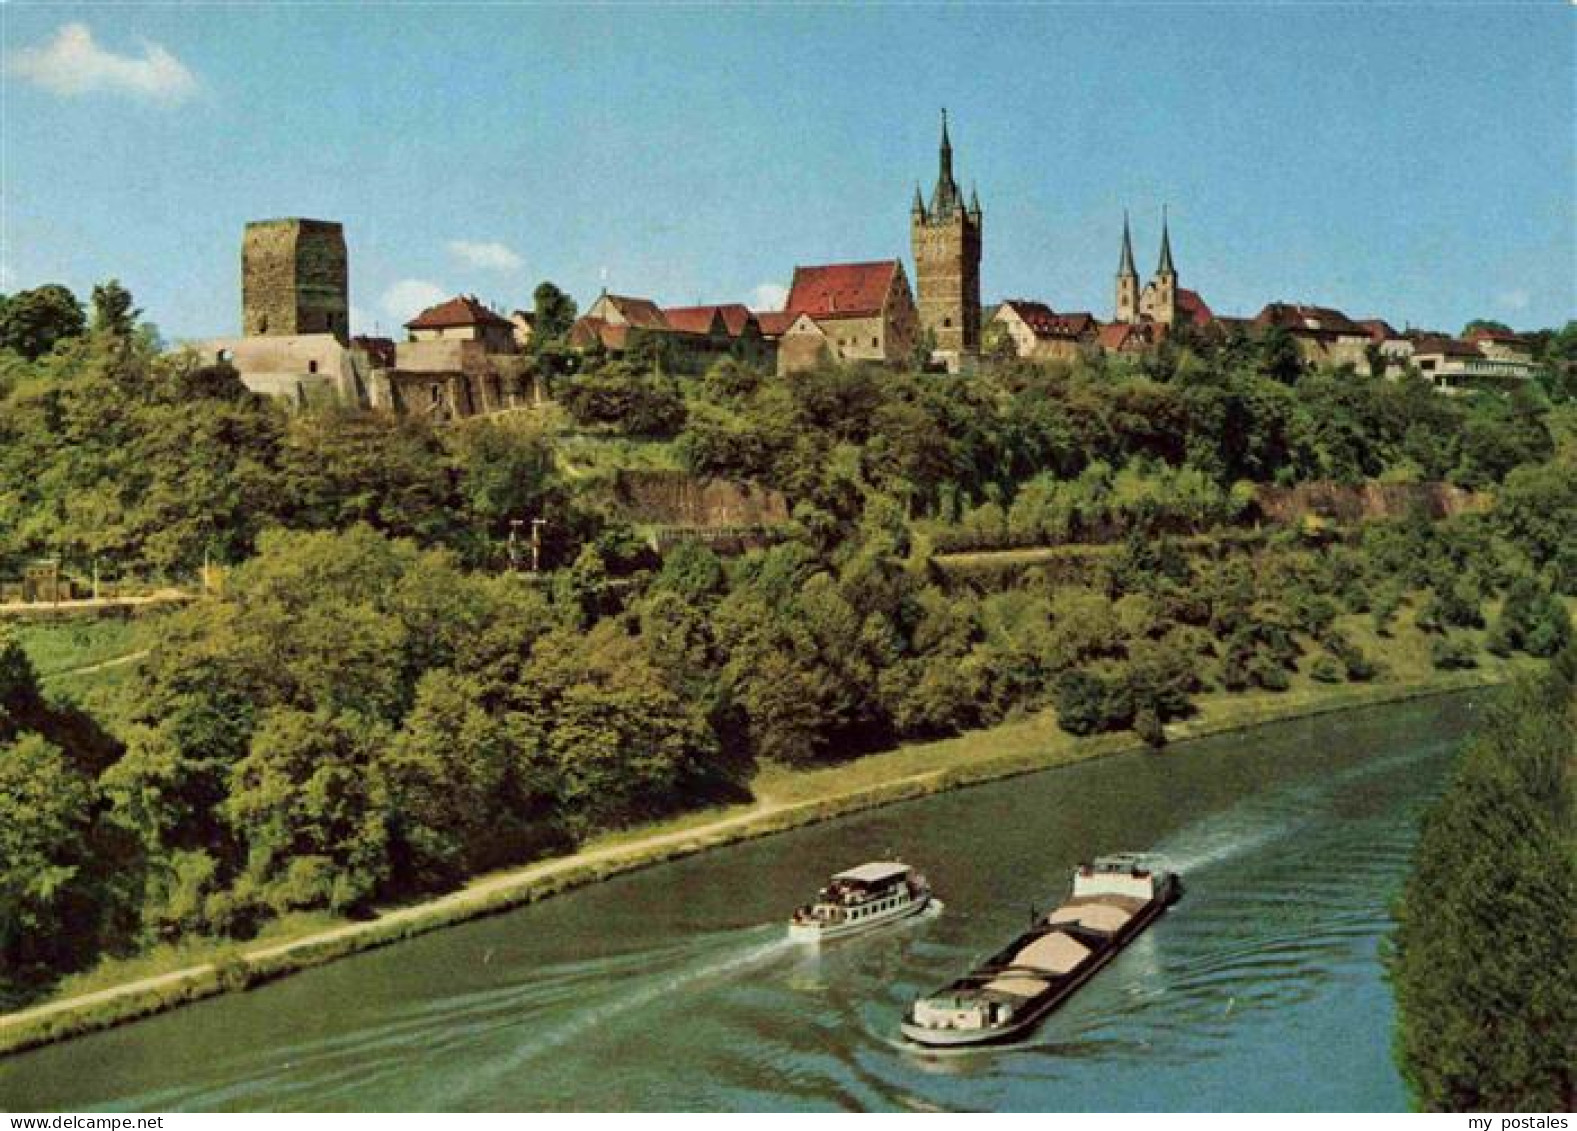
675,988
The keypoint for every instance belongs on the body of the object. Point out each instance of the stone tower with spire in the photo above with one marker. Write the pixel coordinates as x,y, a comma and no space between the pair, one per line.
1159,301
945,237
1127,280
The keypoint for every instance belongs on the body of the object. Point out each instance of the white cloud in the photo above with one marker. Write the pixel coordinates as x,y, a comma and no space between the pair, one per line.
768,296
1514,300
491,256
72,63
409,297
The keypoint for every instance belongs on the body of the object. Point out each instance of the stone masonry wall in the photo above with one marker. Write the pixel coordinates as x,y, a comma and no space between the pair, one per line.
1371,500
294,278
673,498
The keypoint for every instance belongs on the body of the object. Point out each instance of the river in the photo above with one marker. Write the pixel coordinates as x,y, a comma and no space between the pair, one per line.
674,987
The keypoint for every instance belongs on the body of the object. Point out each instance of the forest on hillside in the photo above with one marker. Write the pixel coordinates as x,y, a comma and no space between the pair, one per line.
375,707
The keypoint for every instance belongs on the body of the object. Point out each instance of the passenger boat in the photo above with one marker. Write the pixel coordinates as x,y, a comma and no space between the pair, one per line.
1113,900
859,899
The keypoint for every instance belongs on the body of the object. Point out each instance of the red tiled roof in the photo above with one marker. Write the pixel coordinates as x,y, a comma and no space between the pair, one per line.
1122,335
589,331
774,322
381,350
735,318
1079,323
693,319
462,310
1505,337
841,290
1448,347
1042,321
1378,328
642,312
1192,308
1309,319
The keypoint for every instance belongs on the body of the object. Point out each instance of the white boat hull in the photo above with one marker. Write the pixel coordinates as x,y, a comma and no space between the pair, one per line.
825,932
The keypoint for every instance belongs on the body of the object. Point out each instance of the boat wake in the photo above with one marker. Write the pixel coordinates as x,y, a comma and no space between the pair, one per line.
1252,824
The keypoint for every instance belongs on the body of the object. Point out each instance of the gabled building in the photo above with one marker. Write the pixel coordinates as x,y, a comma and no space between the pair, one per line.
1395,347
866,310
730,329
1453,366
462,360
1501,345
1324,335
693,336
1128,337
464,319
615,322
797,341
1040,334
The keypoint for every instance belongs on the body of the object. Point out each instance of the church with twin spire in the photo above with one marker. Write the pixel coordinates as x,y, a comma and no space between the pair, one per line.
1157,302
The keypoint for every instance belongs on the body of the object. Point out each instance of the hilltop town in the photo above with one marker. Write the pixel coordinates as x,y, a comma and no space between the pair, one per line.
299,628
462,358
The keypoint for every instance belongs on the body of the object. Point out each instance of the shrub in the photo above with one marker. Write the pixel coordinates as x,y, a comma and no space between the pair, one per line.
1451,653
617,397
1147,725
1533,620
1357,666
1326,669
1088,702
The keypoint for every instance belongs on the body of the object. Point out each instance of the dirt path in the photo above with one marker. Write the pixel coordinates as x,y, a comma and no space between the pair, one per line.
87,669
92,605
480,890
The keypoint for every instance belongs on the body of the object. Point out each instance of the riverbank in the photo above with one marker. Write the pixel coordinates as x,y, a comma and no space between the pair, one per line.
784,799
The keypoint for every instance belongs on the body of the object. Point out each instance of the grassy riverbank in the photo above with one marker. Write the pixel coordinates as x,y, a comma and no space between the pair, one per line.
122,990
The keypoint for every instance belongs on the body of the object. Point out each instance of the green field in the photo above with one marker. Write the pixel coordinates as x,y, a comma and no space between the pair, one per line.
91,660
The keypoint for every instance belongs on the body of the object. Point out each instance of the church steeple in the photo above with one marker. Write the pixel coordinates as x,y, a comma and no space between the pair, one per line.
945,235
1165,267
946,198
1127,280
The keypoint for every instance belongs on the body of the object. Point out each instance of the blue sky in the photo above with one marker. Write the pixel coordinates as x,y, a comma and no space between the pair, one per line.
1416,163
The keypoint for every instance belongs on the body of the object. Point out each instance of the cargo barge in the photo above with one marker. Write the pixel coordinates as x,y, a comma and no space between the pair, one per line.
1113,900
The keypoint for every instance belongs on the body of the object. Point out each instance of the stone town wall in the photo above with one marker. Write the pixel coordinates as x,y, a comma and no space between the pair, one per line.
674,498
1343,503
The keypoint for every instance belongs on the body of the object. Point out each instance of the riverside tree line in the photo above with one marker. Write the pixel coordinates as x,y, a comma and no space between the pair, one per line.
1484,956
373,709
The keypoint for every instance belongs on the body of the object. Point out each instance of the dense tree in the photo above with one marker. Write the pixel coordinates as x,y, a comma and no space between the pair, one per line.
624,396
1485,950
553,315
33,322
114,311
310,810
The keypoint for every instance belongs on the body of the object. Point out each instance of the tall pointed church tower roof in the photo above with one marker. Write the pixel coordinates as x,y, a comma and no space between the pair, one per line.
946,197
1125,267
1165,267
